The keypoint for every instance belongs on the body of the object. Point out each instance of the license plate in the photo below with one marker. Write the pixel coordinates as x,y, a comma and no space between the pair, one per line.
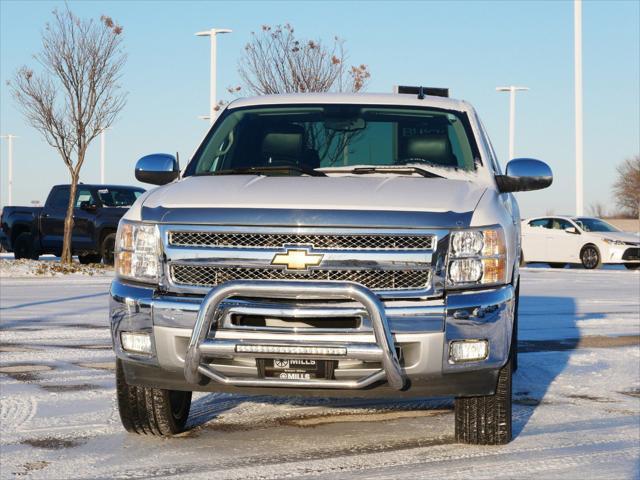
295,368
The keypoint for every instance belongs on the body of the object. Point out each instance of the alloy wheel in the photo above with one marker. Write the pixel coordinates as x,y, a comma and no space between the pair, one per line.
590,257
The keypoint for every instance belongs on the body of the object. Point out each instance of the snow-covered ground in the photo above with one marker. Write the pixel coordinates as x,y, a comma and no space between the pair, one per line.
48,266
576,394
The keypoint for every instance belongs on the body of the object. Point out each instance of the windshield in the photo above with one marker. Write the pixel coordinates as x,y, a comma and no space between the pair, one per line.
595,225
119,197
312,137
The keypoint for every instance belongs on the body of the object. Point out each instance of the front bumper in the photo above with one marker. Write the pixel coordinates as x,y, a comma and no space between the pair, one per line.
621,254
397,344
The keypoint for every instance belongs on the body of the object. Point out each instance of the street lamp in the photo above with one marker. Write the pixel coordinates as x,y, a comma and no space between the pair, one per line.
10,138
512,89
102,153
577,69
212,87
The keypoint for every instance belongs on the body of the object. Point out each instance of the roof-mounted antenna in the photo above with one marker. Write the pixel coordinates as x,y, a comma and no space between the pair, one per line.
421,93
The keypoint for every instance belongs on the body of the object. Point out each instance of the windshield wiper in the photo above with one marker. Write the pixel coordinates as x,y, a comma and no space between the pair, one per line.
399,169
268,169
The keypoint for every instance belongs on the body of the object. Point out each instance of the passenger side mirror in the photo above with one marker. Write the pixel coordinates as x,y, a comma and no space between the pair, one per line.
157,169
88,206
524,174
572,230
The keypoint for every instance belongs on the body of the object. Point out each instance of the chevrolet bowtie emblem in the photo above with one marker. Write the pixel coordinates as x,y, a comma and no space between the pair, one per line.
297,259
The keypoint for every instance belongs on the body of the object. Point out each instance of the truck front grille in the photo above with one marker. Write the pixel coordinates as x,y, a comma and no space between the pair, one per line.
208,276
277,240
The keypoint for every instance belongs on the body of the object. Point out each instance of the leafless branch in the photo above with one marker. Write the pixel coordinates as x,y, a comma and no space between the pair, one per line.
626,188
276,61
76,94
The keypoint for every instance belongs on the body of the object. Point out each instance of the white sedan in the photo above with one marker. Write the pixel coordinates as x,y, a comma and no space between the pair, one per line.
560,240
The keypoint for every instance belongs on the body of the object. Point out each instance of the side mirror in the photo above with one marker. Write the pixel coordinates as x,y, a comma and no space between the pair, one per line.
524,174
157,169
572,230
88,206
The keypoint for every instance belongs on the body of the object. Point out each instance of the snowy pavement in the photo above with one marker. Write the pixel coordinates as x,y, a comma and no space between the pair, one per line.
576,400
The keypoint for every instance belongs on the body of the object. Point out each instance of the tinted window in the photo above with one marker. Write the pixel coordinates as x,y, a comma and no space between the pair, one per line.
60,198
539,223
595,225
84,195
560,224
119,197
321,136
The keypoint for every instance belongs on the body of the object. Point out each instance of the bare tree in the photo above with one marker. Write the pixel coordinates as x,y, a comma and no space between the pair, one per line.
76,93
597,210
626,188
276,61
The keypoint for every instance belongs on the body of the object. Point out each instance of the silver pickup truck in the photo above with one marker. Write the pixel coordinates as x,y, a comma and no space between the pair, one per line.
325,245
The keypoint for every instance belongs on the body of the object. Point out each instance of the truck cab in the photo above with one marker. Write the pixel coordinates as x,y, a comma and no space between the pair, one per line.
325,245
34,231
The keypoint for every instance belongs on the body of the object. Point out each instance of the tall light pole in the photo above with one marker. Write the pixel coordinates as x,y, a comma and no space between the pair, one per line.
10,138
102,153
212,86
512,89
577,73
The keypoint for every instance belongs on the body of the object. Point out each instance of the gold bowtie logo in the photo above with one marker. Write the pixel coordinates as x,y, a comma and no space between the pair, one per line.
297,259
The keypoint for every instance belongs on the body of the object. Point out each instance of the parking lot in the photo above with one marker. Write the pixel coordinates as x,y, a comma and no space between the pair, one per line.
576,399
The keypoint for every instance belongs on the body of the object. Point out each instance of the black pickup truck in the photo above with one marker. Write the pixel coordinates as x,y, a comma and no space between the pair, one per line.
29,232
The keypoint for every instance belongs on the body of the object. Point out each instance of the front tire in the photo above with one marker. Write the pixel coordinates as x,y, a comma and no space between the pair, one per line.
151,411
486,420
590,257
24,247
107,248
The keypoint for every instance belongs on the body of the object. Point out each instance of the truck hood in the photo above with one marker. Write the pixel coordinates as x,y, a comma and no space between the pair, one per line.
371,193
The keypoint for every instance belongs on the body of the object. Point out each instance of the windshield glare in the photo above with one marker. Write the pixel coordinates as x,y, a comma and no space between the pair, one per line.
595,225
118,197
330,136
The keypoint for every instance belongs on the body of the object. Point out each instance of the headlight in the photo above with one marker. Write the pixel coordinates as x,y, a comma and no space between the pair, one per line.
137,251
611,241
477,257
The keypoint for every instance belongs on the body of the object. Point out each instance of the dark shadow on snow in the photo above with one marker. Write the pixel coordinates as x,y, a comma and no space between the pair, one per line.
55,300
558,316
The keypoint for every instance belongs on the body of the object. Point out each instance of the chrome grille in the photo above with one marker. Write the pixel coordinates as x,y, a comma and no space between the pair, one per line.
277,240
208,276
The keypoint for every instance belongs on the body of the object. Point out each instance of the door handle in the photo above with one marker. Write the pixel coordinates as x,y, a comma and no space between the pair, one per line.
45,215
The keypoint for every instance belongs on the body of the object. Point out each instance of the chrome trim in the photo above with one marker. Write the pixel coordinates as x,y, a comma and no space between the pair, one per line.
524,174
129,299
261,258
204,332
485,315
418,328
356,241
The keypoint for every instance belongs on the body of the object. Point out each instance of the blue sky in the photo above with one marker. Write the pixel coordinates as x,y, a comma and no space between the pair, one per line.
469,46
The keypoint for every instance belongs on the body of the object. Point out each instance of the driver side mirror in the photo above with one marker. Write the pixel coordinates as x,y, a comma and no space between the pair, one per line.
572,230
524,174
157,169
